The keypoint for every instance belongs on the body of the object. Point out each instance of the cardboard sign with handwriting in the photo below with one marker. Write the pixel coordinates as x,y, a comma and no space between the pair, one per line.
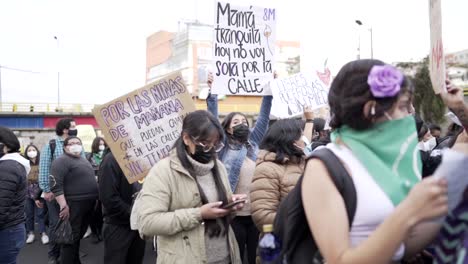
293,93
436,58
244,40
142,126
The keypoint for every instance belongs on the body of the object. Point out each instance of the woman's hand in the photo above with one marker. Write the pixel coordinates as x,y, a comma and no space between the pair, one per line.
39,204
237,197
453,98
213,211
210,79
427,200
64,212
308,113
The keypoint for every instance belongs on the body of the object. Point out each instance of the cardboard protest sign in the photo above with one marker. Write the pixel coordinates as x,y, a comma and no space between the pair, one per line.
293,93
142,126
243,48
436,58
87,134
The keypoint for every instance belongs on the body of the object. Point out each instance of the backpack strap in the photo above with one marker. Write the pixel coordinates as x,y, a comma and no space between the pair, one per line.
298,232
340,177
52,146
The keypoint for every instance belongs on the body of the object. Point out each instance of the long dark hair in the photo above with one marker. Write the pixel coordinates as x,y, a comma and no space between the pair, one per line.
349,92
280,139
95,144
28,158
201,125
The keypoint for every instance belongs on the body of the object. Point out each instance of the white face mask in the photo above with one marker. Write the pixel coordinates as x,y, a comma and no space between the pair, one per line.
76,149
430,144
32,154
101,147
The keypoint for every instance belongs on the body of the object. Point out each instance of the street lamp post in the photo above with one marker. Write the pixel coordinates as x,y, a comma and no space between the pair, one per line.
371,40
359,40
58,76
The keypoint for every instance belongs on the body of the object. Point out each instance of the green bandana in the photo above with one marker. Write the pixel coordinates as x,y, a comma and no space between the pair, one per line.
388,151
97,158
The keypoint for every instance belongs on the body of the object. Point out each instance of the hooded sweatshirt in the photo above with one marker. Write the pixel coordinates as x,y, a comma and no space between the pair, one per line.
13,181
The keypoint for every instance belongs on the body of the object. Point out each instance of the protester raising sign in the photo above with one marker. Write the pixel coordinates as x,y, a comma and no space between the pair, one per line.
436,59
293,93
141,127
243,48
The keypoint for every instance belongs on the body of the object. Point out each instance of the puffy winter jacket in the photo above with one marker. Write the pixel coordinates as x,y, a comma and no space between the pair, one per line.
271,183
13,189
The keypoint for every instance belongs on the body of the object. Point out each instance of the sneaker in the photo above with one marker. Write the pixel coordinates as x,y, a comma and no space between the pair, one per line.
30,238
45,239
88,233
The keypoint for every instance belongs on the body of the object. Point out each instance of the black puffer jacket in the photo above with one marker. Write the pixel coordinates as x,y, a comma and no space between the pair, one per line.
13,191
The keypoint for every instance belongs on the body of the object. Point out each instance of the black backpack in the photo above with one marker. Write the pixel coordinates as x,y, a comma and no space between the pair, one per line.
291,227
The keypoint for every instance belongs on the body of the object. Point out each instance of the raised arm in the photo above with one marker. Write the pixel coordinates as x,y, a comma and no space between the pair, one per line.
263,120
454,100
212,99
330,228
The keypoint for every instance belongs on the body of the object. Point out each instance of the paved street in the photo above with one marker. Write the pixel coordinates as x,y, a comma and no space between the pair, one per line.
36,253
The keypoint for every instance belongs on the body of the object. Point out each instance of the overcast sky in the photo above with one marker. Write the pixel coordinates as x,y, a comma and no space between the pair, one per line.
101,45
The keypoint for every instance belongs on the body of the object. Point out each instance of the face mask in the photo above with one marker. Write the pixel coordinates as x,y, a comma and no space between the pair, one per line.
202,156
32,154
389,152
2,152
72,132
102,147
76,149
430,144
241,132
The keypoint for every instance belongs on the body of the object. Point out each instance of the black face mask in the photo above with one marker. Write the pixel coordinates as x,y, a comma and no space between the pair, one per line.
72,132
202,156
241,132
1,149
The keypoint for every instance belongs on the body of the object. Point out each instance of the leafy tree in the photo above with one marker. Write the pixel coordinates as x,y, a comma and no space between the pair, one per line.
427,104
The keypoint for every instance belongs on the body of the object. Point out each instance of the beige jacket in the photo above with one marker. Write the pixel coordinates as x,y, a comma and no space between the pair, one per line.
271,183
170,209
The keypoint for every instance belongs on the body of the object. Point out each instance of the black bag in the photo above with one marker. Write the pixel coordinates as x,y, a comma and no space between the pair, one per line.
291,227
63,233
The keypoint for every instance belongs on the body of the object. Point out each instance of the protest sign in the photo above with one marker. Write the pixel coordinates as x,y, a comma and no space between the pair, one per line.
142,126
293,93
243,48
87,134
436,58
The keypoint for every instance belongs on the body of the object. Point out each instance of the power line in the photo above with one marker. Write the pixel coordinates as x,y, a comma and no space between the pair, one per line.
16,69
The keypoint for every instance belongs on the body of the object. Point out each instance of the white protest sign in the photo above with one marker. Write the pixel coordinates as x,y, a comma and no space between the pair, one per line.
436,58
243,48
293,93
142,126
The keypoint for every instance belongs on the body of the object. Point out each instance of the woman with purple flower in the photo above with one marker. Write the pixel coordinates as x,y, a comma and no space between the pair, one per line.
375,139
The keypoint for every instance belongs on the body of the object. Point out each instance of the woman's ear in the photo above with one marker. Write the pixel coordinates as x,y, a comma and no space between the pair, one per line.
369,110
186,139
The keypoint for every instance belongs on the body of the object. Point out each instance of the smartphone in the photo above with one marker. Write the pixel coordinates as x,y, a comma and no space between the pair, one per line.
231,205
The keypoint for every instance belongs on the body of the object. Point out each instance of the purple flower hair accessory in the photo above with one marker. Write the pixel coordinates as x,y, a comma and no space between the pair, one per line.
384,81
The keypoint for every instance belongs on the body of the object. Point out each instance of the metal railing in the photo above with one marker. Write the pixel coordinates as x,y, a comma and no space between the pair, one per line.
45,107
8,107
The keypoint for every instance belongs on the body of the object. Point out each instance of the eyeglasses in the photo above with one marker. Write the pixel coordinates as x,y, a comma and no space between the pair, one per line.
207,148
73,143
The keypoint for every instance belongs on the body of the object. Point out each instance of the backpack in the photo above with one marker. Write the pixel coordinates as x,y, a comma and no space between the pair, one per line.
291,227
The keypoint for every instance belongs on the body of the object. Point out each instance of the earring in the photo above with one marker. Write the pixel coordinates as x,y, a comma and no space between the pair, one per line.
372,111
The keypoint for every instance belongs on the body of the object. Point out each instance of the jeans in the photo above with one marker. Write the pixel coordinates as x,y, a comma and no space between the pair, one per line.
34,214
53,211
12,239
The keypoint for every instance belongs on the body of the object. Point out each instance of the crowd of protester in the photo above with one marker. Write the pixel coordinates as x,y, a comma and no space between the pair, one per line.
223,181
